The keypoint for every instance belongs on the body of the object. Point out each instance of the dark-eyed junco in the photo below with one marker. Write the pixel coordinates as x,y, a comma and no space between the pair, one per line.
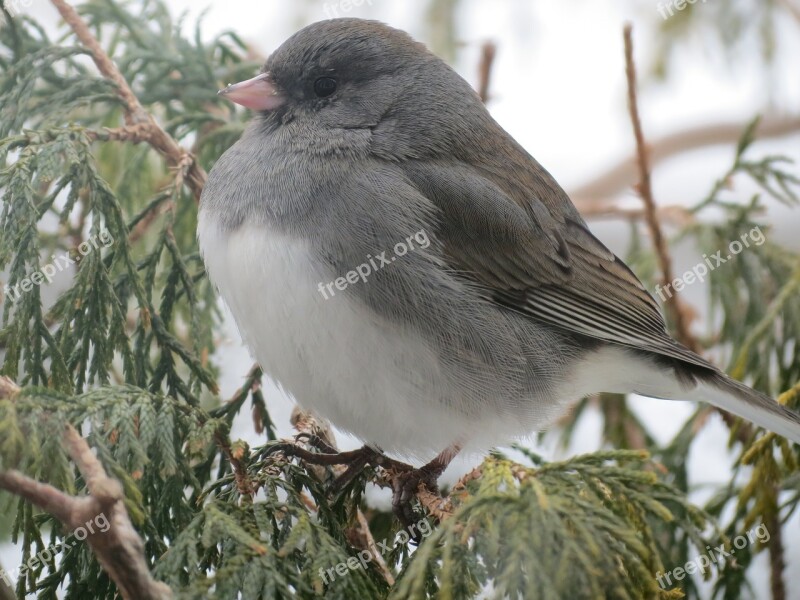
403,267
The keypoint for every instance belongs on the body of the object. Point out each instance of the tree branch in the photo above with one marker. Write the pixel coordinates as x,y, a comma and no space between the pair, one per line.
136,117
488,52
777,562
673,304
600,191
119,549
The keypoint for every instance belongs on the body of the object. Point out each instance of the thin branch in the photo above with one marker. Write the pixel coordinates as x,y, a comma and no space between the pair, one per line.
601,190
673,303
243,483
792,9
488,52
6,591
366,541
119,549
8,388
62,506
135,115
777,550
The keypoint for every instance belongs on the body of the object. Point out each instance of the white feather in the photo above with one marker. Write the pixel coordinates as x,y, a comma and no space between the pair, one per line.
364,374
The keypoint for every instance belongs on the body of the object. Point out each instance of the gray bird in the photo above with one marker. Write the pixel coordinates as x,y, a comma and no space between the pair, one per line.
401,266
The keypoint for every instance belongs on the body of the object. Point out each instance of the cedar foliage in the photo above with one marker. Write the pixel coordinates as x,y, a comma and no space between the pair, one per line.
125,353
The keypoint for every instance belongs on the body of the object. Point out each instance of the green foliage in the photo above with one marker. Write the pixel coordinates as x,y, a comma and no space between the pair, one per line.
575,529
121,346
738,28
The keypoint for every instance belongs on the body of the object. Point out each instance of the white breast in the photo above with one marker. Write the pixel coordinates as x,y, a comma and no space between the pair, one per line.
333,356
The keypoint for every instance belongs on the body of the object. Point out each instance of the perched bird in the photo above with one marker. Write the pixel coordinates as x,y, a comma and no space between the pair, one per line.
401,266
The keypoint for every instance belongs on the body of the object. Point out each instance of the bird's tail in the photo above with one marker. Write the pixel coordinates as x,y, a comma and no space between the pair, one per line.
728,394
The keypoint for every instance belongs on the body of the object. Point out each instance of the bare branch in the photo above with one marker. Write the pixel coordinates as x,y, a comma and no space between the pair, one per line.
601,190
366,541
777,550
673,304
792,9
488,52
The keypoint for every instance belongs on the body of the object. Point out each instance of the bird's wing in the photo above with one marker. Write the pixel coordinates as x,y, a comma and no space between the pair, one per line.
547,266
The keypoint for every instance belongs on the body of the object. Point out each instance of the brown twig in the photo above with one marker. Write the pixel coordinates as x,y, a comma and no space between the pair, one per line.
792,9
777,561
151,217
119,549
8,388
673,304
367,542
243,483
136,117
488,52
6,591
136,134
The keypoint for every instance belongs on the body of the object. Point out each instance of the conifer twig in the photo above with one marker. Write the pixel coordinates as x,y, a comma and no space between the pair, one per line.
136,117
119,549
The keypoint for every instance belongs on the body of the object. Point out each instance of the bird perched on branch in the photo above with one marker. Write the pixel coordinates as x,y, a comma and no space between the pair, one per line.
403,267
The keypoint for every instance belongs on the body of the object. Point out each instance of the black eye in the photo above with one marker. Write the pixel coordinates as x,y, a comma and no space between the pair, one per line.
324,86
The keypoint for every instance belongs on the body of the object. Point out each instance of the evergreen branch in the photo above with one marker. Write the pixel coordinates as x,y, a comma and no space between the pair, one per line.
787,293
135,114
67,509
119,549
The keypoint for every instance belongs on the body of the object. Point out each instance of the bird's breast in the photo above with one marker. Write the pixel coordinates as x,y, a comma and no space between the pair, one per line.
369,376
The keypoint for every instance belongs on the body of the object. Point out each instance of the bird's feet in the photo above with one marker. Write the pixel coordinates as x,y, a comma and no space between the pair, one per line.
405,486
406,480
354,460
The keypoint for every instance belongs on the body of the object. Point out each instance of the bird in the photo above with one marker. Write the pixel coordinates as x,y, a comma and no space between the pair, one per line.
402,267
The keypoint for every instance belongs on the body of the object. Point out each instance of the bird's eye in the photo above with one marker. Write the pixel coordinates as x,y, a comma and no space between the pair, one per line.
324,86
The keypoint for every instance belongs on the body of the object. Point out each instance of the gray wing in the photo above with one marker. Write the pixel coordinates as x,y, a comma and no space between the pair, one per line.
545,265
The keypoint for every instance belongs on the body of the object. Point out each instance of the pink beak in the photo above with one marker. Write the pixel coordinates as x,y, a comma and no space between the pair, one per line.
258,93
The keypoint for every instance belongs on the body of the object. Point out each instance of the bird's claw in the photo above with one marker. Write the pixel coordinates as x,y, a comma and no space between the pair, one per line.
405,486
